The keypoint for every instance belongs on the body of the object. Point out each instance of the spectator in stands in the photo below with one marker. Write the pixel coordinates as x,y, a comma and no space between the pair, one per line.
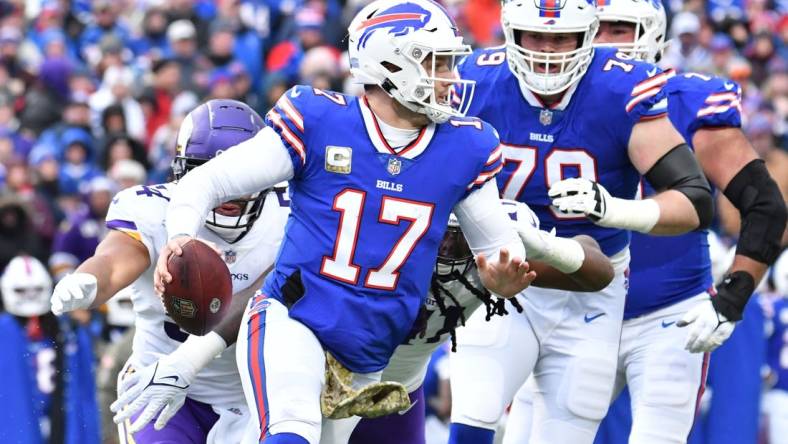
47,96
162,148
106,23
16,230
116,87
76,160
19,180
121,146
686,53
127,173
77,238
723,54
166,85
182,38
285,57
760,52
153,43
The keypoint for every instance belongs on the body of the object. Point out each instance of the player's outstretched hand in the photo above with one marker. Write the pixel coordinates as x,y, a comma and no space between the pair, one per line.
161,274
507,277
580,197
160,386
73,292
708,328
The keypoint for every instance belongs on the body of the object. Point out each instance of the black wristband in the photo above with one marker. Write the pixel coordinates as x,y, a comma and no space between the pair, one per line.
733,294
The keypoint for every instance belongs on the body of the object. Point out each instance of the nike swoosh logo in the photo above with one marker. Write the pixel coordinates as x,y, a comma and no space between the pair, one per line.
729,86
667,324
173,377
652,72
591,318
408,409
295,93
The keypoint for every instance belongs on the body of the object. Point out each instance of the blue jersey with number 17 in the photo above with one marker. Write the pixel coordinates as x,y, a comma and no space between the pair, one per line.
667,270
366,220
585,135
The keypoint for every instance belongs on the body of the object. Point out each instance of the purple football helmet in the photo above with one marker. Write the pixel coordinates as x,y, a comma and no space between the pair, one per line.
206,132
454,254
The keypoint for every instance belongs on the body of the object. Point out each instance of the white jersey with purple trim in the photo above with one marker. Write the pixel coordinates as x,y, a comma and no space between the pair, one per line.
140,213
432,327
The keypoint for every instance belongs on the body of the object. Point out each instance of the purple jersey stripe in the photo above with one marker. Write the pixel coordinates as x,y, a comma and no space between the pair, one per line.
118,224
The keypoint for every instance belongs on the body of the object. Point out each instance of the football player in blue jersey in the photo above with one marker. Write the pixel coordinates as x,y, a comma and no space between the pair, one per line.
775,400
670,278
373,181
579,126
450,311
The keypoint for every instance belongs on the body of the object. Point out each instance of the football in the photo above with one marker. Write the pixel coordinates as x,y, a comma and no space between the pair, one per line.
201,288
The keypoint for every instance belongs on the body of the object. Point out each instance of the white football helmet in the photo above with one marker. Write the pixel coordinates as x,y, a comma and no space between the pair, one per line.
648,16
388,42
552,17
26,287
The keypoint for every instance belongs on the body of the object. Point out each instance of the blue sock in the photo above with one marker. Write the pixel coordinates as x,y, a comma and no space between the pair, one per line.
284,438
465,434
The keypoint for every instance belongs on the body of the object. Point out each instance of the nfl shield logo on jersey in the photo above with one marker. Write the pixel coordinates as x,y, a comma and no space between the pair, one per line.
394,166
229,256
546,117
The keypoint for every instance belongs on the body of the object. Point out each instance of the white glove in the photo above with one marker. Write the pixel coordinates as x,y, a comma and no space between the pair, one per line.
708,330
75,291
162,386
580,197
583,197
566,255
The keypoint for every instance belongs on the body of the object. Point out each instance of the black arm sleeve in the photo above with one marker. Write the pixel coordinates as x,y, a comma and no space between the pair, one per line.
763,215
678,170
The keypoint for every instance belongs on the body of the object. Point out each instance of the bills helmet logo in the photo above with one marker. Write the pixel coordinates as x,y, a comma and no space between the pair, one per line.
399,20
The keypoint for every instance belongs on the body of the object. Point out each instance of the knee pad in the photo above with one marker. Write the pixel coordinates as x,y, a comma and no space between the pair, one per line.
590,386
479,391
672,379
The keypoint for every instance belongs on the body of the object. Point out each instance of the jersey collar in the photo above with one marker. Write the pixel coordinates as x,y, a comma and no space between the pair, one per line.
379,142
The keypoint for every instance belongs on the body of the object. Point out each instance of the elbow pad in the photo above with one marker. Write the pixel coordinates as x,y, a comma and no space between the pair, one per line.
763,215
678,170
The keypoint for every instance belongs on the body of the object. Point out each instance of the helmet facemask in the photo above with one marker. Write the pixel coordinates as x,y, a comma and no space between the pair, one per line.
429,68
230,228
533,68
454,255
233,228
